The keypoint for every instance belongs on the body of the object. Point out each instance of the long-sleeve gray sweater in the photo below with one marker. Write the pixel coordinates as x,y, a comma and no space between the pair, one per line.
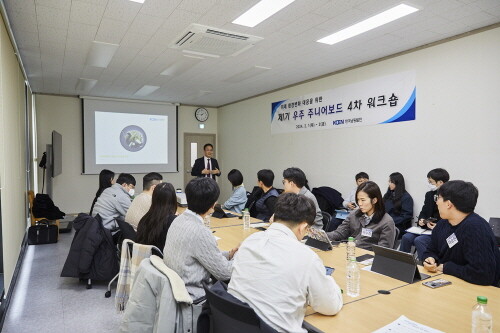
191,251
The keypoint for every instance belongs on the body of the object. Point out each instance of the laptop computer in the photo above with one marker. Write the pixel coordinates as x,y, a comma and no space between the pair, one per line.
318,239
396,264
220,213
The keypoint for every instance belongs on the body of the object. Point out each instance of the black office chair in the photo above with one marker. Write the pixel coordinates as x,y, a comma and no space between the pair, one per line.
126,231
396,238
229,315
326,221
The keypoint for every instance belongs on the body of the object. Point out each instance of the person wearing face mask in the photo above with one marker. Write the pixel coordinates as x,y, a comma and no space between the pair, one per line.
278,276
115,201
429,215
369,224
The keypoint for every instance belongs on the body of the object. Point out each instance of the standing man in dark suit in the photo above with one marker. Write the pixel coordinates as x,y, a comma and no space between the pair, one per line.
206,166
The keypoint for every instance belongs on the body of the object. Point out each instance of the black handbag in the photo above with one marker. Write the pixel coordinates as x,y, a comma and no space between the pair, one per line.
42,233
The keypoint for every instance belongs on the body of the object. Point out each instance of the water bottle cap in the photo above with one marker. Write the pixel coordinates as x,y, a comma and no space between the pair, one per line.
350,239
482,300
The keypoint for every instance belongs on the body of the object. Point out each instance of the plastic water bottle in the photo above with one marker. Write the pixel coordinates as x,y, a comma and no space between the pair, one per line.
482,320
353,279
246,219
351,249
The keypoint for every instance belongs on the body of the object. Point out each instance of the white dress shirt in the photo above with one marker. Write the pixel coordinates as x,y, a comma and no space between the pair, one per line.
278,276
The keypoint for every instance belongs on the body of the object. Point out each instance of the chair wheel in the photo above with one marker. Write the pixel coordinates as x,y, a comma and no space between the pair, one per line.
89,286
107,294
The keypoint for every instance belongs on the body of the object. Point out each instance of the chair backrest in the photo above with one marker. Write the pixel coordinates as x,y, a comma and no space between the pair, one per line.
229,315
326,220
396,236
127,230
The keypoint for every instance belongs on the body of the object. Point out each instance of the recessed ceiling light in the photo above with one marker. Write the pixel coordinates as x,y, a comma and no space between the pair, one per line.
101,53
85,85
181,65
139,1
146,90
261,11
251,72
369,24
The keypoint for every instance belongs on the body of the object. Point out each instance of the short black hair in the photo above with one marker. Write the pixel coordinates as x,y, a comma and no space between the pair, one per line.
266,176
125,178
207,145
295,175
439,175
235,177
362,175
149,180
202,194
463,195
294,208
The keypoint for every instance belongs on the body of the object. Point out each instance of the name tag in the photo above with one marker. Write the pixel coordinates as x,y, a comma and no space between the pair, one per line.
365,232
451,240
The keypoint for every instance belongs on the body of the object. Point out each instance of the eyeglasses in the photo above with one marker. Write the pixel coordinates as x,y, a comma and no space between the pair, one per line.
436,197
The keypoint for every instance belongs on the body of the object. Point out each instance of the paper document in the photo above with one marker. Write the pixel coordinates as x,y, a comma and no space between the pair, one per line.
216,238
259,225
419,231
405,325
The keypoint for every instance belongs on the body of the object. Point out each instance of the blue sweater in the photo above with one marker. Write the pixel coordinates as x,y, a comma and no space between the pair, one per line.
237,201
475,258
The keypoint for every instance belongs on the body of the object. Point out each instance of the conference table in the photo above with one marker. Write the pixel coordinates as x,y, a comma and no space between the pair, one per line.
447,308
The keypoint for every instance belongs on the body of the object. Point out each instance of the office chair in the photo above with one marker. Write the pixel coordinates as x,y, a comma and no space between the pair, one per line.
326,221
33,219
396,238
230,315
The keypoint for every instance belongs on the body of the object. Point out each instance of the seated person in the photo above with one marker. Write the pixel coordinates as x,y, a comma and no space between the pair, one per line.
369,224
106,179
462,244
398,202
154,225
261,202
114,201
141,204
191,249
238,199
436,178
295,181
350,202
278,276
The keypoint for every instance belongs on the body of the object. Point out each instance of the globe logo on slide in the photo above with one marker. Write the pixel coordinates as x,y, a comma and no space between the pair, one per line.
133,138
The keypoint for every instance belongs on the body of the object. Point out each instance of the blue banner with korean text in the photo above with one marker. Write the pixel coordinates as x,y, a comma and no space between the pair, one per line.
382,100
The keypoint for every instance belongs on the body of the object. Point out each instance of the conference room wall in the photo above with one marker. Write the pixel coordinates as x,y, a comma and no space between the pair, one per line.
73,192
456,127
12,155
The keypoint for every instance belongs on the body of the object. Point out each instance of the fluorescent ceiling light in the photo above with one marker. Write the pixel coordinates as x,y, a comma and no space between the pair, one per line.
146,90
181,66
261,11
251,72
139,1
100,54
369,24
85,85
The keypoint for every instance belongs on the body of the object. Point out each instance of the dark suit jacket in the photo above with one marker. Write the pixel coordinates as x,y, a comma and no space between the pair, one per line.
199,165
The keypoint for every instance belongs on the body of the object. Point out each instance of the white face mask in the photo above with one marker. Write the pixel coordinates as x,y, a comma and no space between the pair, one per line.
431,187
131,192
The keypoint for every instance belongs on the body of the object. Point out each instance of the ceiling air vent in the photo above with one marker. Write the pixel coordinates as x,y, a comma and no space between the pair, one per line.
212,42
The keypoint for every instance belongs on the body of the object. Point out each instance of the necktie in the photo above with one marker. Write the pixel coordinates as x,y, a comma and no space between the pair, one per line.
208,167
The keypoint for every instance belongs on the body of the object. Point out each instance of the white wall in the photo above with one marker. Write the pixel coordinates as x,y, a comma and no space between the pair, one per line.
72,191
12,155
457,127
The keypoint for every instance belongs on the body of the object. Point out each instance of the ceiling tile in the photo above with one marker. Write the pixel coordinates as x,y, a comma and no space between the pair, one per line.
146,24
23,21
59,4
87,13
197,6
82,31
111,31
52,17
52,34
121,10
159,8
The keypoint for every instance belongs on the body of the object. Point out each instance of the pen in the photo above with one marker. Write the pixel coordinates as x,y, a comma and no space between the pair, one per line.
428,262
213,231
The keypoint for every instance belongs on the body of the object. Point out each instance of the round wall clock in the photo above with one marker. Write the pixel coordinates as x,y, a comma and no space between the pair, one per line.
201,114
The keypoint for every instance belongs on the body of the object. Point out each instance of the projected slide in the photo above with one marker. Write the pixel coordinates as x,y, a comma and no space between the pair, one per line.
127,138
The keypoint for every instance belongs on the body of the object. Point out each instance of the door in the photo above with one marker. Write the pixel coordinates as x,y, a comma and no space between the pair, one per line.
193,148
